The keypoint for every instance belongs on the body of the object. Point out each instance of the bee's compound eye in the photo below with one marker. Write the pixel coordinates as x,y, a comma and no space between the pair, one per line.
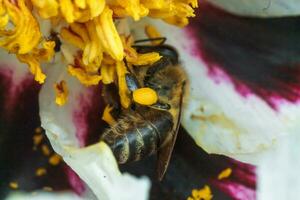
145,96
131,82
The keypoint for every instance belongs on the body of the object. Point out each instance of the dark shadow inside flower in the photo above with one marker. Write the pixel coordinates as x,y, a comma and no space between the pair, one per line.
19,159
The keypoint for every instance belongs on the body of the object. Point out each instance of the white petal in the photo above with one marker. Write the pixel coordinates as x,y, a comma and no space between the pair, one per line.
95,164
278,175
42,195
260,8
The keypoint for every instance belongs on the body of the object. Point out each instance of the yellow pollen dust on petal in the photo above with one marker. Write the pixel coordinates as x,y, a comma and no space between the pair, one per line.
45,150
41,171
145,96
123,89
225,173
37,139
107,117
61,93
201,194
54,160
14,185
85,78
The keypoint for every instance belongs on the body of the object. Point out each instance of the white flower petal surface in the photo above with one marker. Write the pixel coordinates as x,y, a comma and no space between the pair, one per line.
41,195
279,173
95,164
260,8
221,120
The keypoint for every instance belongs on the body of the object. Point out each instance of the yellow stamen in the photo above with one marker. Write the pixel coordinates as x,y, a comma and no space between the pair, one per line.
107,73
145,96
225,173
201,194
145,59
72,38
83,77
107,117
46,8
123,90
40,171
177,21
152,32
25,35
61,93
134,8
34,66
108,35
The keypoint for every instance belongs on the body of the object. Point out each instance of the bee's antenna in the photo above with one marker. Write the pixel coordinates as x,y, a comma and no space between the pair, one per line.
162,39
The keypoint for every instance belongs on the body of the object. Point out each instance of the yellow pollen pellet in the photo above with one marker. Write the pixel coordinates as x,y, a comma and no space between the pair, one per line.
225,173
145,96
40,171
55,160
14,185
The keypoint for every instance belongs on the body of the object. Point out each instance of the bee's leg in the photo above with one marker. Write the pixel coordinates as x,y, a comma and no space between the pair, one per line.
162,39
161,106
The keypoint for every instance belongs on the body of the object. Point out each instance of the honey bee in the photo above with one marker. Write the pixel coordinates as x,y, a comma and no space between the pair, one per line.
144,130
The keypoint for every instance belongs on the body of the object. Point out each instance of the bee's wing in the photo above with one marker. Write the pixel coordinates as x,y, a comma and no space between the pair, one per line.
164,154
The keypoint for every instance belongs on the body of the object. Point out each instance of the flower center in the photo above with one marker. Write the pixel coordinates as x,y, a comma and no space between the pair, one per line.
89,27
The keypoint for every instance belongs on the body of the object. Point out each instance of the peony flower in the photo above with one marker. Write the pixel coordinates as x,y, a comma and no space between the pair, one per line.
240,101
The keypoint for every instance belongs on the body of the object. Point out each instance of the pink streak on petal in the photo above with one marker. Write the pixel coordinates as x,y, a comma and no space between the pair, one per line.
74,180
242,177
87,117
235,191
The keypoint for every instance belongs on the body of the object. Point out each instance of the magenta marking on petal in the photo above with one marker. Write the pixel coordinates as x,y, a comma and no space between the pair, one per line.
80,119
235,190
259,56
244,178
75,181
87,117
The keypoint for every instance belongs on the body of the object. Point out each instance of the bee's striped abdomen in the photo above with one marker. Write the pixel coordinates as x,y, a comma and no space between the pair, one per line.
138,135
